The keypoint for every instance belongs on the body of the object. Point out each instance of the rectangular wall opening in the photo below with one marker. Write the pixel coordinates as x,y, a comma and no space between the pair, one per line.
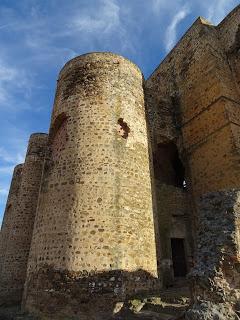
178,257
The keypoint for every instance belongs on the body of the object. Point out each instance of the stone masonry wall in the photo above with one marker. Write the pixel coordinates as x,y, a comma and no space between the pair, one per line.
173,216
94,228
204,101
13,272
9,214
98,218
217,263
202,90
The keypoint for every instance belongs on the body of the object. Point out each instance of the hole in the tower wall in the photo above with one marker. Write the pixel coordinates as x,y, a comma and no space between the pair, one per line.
58,135
9,206
168,167
123,128
59,122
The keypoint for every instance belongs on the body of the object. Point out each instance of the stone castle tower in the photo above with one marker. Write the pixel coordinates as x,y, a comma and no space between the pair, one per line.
136,185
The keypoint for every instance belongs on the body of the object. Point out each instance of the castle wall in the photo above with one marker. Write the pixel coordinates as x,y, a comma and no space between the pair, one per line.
13,272
203,86
216,273
212,156
173,224
94,228
229,30
8,218
174,204
108,211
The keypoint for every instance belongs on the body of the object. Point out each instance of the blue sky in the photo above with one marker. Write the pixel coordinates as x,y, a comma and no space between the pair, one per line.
38,36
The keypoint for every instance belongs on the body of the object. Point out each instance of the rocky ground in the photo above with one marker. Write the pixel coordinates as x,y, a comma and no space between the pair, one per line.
169,305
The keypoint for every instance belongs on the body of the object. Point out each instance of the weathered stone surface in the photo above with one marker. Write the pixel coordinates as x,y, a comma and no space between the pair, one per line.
216,275
193,102
116,196
13,271
173,216
95,205
207,310
9,216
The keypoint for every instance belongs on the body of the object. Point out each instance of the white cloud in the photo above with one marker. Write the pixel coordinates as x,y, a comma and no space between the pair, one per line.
171,33
3,26
6,169
104,20
159,5
217,10
11,157
13,80
5,156
106,24
3,191
7,75
11,153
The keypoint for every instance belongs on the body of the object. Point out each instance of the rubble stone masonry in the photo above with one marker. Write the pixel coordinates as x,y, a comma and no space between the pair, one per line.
13,271
94,228
9,215
134,172
193,101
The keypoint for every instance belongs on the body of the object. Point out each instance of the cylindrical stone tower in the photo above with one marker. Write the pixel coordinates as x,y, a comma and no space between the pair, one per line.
9,216
94,237
13,272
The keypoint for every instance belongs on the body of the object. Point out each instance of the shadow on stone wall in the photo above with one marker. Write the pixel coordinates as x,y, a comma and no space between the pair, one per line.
215,279
91,296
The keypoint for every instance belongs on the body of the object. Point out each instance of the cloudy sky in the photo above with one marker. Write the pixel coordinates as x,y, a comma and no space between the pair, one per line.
38,36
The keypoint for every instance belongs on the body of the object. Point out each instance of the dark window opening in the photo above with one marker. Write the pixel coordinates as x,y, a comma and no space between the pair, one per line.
168,167
123,128
179,171
178,257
